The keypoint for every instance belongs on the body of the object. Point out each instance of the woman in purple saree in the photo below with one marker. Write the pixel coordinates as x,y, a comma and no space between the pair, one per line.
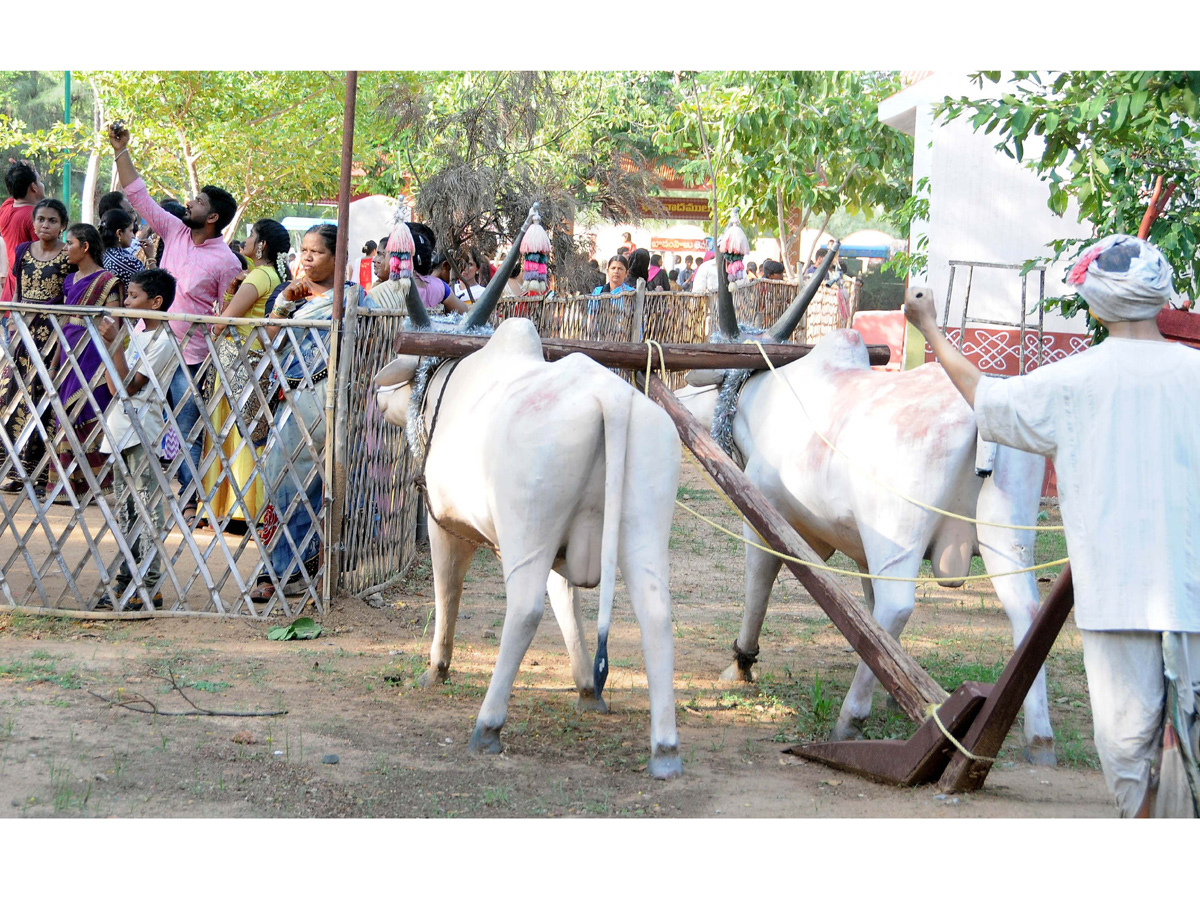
86,398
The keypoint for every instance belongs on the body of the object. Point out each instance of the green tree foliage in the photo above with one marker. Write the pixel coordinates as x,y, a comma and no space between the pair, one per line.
1104,139
782,141
270,138
31,125
481,147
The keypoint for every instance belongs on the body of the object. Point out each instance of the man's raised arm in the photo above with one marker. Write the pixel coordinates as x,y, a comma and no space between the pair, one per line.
918,309
135,189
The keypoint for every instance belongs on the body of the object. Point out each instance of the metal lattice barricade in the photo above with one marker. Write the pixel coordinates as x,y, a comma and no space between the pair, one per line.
61,541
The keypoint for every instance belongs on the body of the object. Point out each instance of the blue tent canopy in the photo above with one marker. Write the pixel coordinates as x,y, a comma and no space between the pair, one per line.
860,250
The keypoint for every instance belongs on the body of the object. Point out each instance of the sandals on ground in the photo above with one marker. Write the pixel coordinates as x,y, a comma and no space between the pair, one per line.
263,592
189,515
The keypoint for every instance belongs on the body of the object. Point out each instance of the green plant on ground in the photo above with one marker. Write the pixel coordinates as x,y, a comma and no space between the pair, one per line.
1074,750
60,787
496,796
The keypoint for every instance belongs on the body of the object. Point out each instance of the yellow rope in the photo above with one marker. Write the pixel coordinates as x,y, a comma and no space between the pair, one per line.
931,712
887,487
824,568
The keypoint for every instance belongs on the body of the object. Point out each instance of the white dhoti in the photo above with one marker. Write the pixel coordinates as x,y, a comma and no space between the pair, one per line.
1128,693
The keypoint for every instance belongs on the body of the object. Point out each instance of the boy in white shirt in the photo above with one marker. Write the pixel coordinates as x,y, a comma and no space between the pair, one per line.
1115,419
150,349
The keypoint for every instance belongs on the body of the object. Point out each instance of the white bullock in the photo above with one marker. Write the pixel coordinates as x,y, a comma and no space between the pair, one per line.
908,433
568,472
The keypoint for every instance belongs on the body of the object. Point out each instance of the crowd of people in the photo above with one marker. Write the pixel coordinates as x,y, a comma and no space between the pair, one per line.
691,273
176,260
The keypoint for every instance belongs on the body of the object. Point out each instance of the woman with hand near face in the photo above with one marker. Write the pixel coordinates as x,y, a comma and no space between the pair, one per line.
89,285
40,267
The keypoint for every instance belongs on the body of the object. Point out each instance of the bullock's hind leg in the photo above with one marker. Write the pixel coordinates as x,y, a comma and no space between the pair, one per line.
451,558
645,571
893,605
564,600
761,571
525,583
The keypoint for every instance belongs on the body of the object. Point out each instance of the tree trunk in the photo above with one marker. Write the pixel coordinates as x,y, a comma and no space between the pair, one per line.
189,160
781,234
87,199
231,228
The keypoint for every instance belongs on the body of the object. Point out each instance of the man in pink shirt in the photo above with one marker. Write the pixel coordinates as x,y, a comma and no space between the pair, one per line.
204,267
25,189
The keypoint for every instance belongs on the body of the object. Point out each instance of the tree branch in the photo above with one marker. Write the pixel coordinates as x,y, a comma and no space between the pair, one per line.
195,710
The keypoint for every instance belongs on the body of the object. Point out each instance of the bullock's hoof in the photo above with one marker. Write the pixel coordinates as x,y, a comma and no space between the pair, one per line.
485,740
665,764
433,676
847,730
1040,752
738,672
589,702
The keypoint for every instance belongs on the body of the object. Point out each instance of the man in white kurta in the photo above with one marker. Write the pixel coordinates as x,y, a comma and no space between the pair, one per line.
1117,420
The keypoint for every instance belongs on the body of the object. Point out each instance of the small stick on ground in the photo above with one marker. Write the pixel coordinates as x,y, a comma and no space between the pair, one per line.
194,711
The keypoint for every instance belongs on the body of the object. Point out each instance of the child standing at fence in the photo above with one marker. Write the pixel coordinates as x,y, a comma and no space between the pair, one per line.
149,351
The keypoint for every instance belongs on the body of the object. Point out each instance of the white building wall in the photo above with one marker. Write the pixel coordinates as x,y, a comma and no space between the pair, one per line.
983,206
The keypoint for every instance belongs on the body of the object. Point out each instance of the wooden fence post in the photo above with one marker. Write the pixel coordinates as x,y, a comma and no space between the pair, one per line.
638,325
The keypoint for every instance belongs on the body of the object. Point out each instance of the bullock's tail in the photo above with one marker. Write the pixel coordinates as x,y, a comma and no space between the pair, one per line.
616,414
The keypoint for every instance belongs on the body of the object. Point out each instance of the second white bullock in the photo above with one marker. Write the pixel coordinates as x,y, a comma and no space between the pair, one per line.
897,435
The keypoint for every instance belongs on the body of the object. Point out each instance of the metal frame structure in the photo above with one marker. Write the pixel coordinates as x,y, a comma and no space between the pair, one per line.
1022,323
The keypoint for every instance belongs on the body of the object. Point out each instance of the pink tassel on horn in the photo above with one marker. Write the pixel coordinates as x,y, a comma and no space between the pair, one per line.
535,248
734,245
400,249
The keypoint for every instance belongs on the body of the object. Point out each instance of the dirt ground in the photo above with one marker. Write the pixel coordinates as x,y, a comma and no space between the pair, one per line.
360,740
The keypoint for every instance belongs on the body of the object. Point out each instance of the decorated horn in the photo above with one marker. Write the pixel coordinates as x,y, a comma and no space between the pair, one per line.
727,321
786,323
417,313
483,307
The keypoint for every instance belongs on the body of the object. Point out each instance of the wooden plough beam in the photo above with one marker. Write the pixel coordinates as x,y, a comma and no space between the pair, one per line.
898,672
978,715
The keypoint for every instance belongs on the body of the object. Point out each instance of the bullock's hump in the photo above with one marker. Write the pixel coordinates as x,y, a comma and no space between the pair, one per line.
517,337
842,348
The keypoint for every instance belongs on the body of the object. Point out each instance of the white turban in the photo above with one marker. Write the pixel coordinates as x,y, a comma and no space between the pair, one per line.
1123,279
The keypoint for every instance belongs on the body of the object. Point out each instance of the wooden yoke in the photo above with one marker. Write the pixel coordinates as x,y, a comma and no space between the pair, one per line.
625,354
914,689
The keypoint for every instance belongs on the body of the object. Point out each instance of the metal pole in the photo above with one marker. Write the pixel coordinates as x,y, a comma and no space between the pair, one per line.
335,423
66,191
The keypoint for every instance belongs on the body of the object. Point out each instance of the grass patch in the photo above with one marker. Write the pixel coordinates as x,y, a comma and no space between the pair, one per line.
951,669
39,672
211,687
